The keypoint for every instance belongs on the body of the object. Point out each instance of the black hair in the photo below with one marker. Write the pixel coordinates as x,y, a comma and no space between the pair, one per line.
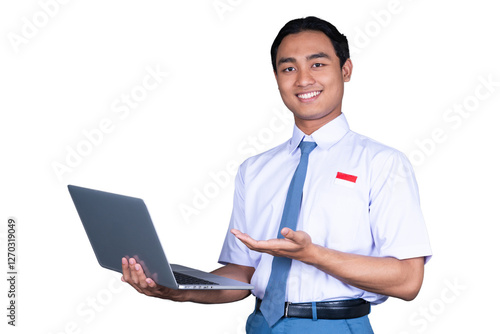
338,40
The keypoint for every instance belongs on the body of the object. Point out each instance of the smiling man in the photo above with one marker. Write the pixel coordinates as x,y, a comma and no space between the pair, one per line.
325,224
310,78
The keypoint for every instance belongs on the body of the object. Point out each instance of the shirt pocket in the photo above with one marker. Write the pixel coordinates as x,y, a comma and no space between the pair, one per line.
338,216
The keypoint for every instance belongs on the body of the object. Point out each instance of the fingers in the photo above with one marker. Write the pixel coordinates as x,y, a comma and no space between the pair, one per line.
125,270
245,238
292,235
271,246
293,246
297,237
135,276
287,233
238,233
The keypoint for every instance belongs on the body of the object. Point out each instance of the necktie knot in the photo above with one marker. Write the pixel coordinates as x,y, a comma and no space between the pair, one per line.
306,147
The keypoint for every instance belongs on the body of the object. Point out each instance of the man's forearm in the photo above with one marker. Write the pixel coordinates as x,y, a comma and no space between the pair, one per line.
386,276
239,273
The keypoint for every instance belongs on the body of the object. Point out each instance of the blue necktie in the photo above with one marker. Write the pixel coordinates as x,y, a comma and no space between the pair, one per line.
273,303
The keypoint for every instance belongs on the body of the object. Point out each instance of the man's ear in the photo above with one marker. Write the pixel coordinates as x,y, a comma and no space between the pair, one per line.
347,70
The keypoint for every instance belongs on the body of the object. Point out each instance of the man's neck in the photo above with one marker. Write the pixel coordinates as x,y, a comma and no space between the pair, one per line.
309,126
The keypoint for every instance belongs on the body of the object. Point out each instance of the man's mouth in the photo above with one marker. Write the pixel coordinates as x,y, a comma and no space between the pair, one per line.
308,95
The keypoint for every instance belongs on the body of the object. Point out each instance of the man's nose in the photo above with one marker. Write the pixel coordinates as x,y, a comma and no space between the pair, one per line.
305,78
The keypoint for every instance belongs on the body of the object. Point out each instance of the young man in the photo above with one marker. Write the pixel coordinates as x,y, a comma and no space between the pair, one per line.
357,234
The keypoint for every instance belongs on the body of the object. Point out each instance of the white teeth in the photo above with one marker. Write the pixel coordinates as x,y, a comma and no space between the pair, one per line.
308,95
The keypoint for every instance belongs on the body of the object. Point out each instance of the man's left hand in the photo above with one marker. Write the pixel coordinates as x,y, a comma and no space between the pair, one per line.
296,245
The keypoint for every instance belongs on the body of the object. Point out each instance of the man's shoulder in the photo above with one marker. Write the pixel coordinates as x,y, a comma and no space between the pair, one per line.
378,158
369,145
266,156
270,153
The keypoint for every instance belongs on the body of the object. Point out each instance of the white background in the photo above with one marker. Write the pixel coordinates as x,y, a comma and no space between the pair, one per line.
65,66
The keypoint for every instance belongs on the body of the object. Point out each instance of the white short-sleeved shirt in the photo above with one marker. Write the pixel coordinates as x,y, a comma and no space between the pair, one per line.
359,197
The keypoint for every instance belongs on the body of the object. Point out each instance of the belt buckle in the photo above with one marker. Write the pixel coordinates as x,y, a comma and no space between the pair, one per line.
286,309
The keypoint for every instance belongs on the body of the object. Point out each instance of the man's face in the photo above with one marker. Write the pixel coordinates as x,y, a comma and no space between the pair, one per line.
310,80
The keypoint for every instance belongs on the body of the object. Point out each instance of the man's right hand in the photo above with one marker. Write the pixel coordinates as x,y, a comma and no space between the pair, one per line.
134,275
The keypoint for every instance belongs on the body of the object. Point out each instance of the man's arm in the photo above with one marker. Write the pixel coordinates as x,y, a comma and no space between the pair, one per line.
134,275
382,275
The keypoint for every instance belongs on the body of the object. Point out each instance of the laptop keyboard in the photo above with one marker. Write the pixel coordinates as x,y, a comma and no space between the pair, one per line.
190,280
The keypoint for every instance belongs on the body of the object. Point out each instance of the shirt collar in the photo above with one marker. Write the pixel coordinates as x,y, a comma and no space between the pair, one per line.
326,136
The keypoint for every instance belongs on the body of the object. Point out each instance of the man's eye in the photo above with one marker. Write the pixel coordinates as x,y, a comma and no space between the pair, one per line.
317,65
288,69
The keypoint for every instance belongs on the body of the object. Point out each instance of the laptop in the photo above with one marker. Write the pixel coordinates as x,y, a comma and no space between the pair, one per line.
120,226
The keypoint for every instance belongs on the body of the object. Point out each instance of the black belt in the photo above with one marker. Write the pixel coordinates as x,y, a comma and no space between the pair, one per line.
341,309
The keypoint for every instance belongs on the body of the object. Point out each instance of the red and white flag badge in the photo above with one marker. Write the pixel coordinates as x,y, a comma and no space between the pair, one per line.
345,179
